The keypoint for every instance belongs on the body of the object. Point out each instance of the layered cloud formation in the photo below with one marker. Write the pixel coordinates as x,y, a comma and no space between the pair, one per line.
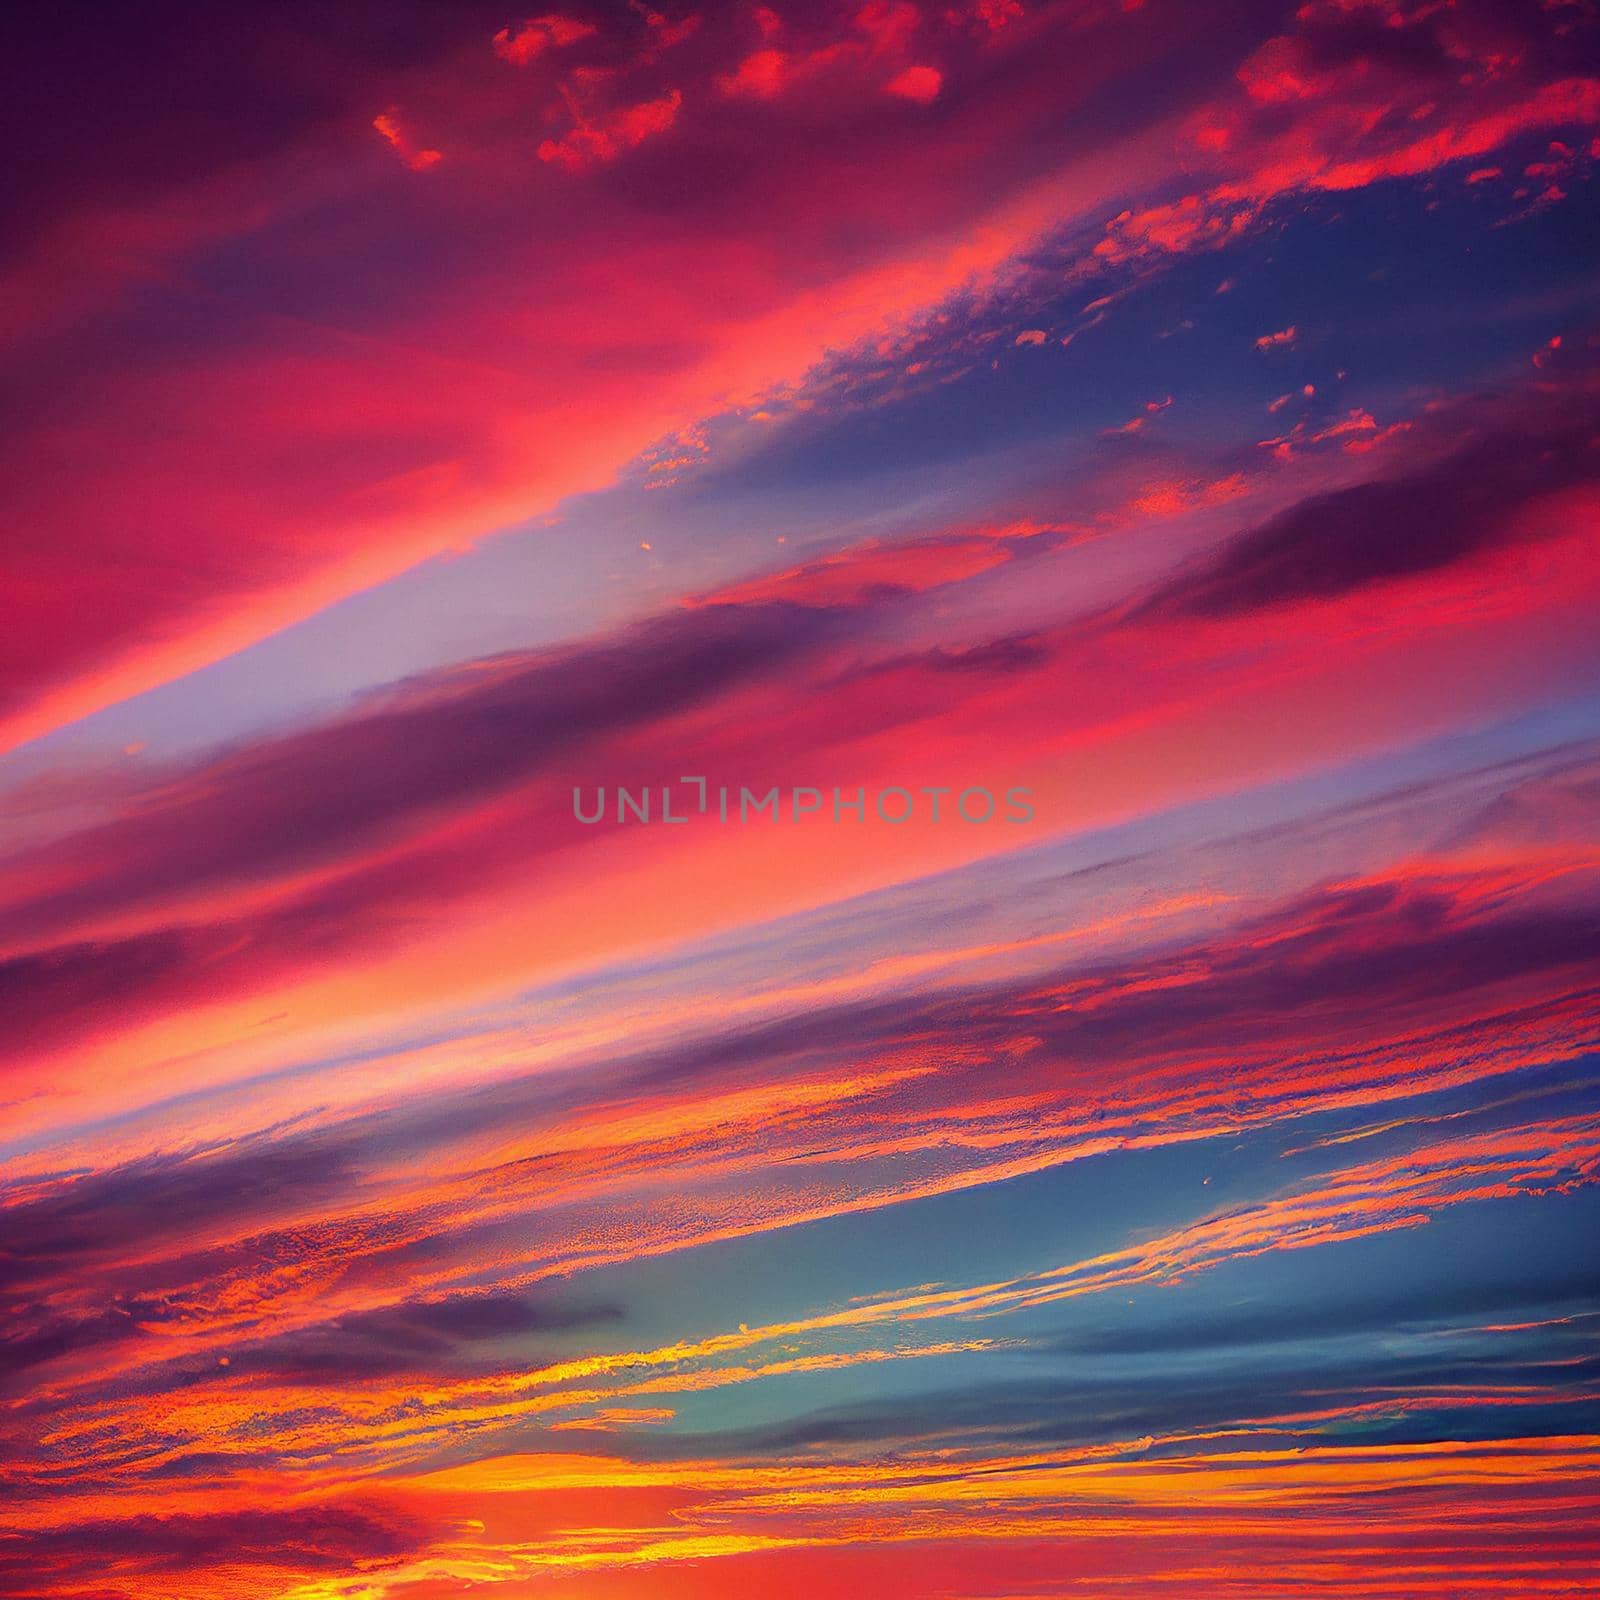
1189,414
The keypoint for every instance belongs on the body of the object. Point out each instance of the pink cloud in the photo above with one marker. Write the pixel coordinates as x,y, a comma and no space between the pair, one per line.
1356,432
889,24
995,14
388,124
759,76
1194,223
522,41
918,83
594,143
1326,106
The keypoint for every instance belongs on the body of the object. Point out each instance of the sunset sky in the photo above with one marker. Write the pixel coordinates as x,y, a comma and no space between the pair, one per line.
1186,411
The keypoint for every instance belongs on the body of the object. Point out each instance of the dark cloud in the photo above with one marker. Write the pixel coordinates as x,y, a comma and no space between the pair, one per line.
327,1538
1425,45
35,1337
130,114
103,1214
73,1242
1019,653
426,746
415,1336
1097,1406
1427,1301
1344,957
1393,528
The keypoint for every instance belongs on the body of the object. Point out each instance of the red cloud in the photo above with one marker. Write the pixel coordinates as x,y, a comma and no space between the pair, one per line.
521,42
759,76
1193,223
921,84
889,24
866,573
879,38
388,124
995,14
594,142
